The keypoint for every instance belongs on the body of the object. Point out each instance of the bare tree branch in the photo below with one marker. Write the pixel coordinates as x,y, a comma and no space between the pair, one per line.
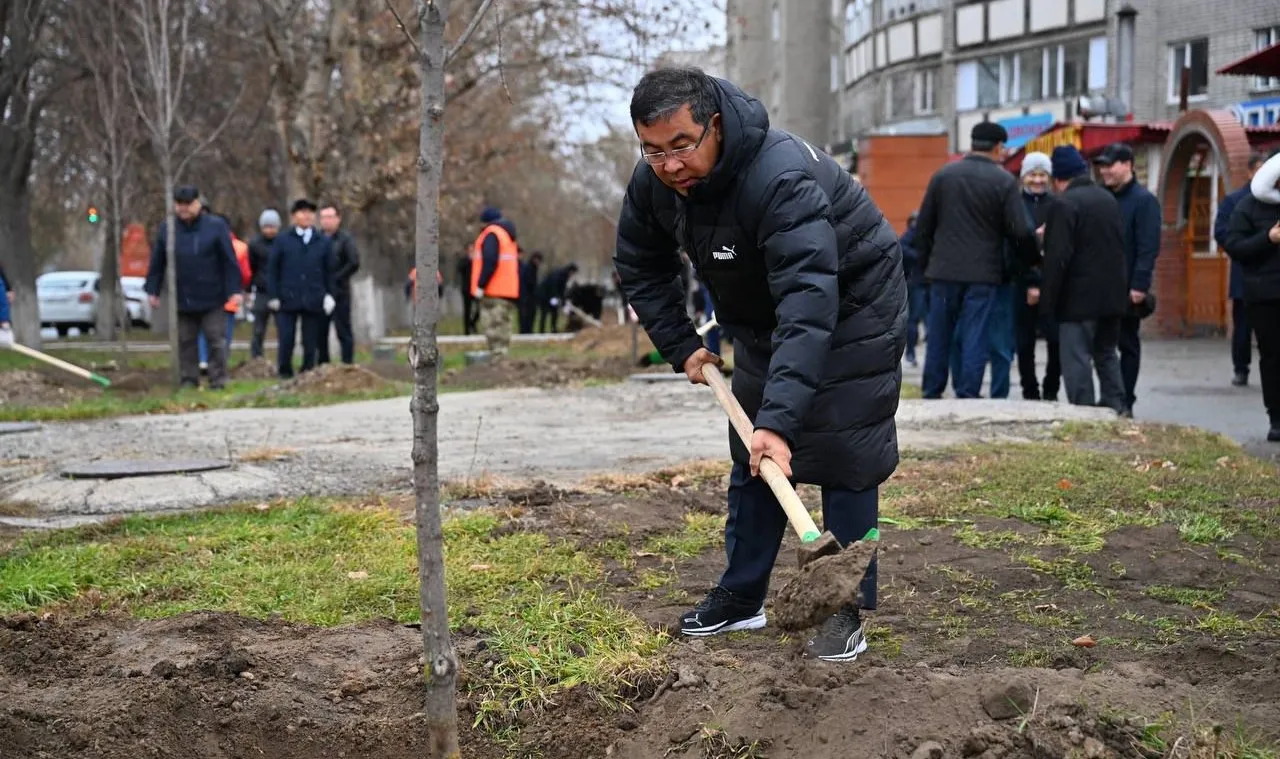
405,29
472,26
213,136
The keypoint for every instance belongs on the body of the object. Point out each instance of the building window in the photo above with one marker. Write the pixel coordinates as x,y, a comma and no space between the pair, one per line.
989,82
1192,55
1075,68
899,96
775,23
835,73
926,83
857,20
1265,38
1031,70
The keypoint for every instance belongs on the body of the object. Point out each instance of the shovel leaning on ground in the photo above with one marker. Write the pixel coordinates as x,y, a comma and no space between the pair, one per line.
830,575
60,364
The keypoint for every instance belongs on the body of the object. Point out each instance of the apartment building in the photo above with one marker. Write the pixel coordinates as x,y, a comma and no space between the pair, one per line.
939,66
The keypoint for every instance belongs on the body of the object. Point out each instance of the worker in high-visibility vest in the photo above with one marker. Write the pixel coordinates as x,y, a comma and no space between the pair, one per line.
495,278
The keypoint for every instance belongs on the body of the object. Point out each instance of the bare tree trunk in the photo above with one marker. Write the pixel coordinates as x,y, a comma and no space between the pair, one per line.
110,305
170,269
19,261
442,663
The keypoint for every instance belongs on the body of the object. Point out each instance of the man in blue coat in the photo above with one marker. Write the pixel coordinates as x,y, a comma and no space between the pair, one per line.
207,277
1241,334
301,282
1140,223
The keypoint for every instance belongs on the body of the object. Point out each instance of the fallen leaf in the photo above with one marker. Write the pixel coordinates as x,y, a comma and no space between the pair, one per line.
263,507
1222,462
1065,484
534,650
643,554
1168,465
359,575
1084,641
1047,607
479,567
677,481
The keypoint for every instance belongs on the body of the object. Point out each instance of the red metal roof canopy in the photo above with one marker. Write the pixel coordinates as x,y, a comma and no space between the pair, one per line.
1089,138
1265,62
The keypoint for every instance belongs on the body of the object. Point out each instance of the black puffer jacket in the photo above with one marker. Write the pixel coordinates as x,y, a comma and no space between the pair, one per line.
806,278
1085,274
1248,243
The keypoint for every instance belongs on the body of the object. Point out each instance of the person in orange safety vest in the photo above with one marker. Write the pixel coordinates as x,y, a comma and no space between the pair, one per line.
495,278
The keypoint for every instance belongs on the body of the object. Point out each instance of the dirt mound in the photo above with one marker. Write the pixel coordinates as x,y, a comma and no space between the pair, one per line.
23,387
335,379
612,340
254,369
538,372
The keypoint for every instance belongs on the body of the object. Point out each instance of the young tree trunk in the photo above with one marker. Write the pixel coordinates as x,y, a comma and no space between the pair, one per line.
442,663
170,270
19,262
110,305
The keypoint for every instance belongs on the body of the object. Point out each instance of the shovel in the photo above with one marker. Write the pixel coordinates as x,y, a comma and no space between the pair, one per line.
813,544
830,575
59,363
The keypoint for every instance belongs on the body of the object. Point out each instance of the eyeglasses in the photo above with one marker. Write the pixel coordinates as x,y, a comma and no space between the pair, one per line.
680,154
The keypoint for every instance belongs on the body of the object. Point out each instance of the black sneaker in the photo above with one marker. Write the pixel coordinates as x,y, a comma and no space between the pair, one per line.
1273,435
1241,379
721,612
840,638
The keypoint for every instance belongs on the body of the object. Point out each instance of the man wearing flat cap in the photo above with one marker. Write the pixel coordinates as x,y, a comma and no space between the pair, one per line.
972,212
207,276
301,285
1140,220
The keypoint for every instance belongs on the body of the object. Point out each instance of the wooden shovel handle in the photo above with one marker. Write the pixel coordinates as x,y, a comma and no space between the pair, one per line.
770,472
52,361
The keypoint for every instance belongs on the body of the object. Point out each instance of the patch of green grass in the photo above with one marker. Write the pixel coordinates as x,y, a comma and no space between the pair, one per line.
910,391
1073,574
884,641
1193,597
1222,624
310,563
652,579
237,394
1198,527
701,531
1032,658
972,537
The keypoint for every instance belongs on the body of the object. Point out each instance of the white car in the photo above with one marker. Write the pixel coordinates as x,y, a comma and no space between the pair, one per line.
70,299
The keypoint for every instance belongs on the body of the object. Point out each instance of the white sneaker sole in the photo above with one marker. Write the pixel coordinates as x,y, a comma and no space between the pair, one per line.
752,623
850,655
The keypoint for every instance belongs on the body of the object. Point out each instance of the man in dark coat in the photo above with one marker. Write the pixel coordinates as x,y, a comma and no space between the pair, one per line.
1253,239
917,288
470,309
300,286
1140,222
259,257
806,277
1085,287
207,277
972,209
347,258
551,291
1241,335
528,305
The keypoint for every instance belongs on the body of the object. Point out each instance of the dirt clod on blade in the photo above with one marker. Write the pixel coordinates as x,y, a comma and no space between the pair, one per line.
823,586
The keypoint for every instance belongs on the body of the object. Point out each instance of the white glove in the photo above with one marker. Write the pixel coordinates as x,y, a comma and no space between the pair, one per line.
555,302
6,336
274,304
479,292
329,304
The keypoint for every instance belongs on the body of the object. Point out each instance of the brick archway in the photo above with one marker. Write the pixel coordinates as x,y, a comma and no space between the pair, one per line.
1229,148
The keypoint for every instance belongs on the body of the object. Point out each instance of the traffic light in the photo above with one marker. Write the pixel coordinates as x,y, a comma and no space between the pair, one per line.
93,214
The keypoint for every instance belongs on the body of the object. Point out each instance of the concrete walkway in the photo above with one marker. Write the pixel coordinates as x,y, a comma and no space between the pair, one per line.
557,435
1188,382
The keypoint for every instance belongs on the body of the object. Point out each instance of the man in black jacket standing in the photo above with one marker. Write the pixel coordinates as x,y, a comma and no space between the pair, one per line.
528,304
259,257
207,275
1140,221
1253,239
300,286
1241,334
348,261
806,277
1084,285
971,209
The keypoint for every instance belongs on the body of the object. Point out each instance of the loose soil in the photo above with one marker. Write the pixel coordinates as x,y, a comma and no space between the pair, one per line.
23,387
254,369
547,371
971,650
334,379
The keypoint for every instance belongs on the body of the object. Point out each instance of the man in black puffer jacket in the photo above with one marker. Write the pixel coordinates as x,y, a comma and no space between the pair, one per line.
1253,239
806,278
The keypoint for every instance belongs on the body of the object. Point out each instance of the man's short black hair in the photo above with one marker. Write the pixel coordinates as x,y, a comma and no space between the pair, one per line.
662,92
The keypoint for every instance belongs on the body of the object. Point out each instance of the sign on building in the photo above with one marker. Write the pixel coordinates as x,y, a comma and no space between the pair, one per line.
1256,113
1022,129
